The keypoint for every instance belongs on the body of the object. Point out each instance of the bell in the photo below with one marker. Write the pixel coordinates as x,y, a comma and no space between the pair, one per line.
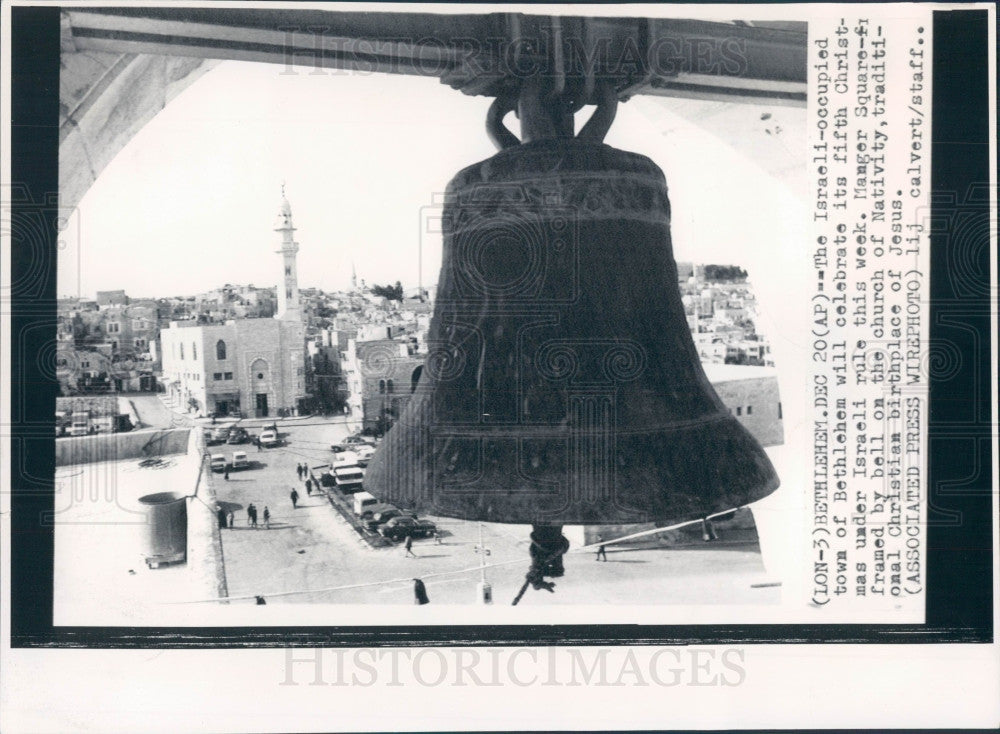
561,384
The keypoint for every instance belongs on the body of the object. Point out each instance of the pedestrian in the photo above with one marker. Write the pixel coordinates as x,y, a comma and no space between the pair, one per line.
267,518
256,440
437,538
295,498
222,517
309,487
225,475
408,545
602,555
231,518
252,510
250,514
420,592
298,470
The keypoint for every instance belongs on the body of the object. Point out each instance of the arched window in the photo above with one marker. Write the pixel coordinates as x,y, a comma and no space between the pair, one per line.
388,386
220,349
194,350
381,386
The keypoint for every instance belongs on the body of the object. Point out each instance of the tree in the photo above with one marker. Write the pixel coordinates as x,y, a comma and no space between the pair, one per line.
724,272
389,292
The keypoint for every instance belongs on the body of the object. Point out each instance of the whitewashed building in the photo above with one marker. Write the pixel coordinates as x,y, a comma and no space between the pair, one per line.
249,367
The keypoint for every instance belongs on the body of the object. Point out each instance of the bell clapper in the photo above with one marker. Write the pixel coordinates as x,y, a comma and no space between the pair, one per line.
548,546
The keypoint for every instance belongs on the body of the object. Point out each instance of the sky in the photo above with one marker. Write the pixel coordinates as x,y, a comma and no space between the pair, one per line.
190,202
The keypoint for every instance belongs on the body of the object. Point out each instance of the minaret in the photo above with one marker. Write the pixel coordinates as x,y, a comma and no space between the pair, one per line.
354,277
288,286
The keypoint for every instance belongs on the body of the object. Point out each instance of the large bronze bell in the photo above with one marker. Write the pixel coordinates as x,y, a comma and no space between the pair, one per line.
562,385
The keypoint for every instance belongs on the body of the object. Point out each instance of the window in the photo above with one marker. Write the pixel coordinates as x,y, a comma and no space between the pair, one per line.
114,345
288,270
85,364
220,349
288,292
217,376
381,386
739,410
749,409
779,411
113,327
182,351
140,343
229,376
194,350
388,386
298,370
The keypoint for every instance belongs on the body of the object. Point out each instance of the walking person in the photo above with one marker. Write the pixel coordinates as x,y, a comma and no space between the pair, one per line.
231,518
295,498
256,441
602,555
250,511
225,474
267,518
309,487
253,516
408,545
298,470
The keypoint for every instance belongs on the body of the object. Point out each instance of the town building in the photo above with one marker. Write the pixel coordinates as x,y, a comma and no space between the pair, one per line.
243,367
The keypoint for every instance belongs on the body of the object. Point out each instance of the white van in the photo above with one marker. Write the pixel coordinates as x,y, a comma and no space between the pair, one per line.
240,460
348,478
363,500
218,462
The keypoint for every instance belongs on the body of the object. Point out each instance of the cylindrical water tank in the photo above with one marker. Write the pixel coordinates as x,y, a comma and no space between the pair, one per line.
166,528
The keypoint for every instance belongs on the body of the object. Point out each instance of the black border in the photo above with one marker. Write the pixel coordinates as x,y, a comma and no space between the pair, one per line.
959,540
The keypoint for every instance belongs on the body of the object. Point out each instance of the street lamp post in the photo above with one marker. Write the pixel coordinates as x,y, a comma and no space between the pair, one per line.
484,591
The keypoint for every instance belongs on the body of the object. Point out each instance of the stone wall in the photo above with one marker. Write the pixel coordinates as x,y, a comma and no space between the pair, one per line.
103,447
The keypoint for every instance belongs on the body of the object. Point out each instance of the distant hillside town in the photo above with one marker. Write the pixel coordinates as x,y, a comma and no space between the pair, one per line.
245,351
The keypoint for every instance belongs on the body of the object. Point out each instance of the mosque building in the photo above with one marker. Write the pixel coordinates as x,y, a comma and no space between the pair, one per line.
253,368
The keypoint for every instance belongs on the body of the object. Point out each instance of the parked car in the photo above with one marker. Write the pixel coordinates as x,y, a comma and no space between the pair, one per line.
348,479
238,434
382,517
218,463
269,438
404,525
240,460
218,435
363,500
364,453
367,512
357,440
